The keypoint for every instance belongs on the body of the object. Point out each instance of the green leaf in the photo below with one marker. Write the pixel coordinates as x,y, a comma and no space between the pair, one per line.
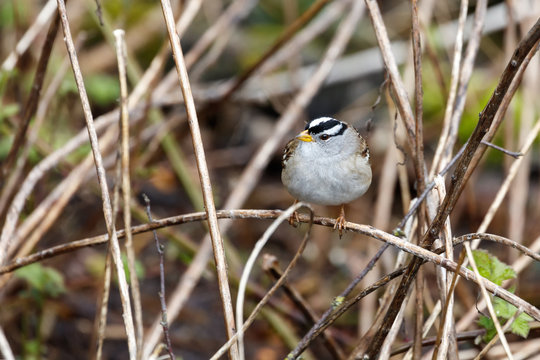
492,268
521,325
139,268
46,281
489,325
96,266
32,349
8,110
68,86
495,270
102,89
502,308
505,311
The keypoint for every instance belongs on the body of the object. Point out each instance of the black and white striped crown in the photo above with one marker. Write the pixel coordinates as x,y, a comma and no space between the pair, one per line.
326,125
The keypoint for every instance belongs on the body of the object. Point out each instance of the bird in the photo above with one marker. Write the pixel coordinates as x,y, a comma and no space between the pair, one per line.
327,164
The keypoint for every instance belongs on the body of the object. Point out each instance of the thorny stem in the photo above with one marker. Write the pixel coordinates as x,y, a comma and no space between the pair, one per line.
161,293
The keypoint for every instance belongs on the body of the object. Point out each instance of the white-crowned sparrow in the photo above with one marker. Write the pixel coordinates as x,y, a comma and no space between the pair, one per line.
327,164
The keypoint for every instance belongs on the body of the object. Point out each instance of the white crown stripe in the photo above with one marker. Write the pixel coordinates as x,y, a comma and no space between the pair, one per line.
319,121
334,130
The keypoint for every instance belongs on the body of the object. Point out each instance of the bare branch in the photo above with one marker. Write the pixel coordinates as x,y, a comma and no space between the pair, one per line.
217,242
107,210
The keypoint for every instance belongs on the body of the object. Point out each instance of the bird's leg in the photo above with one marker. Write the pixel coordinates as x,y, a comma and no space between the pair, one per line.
340,221
294,220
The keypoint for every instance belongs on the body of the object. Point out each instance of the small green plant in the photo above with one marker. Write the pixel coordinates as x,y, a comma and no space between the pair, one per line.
42,283
139,268
95,265
496,271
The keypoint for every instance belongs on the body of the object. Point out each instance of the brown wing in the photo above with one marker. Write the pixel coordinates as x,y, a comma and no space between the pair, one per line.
363,149
288,152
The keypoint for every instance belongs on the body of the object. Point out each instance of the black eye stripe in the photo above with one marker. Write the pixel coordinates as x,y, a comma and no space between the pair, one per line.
330,124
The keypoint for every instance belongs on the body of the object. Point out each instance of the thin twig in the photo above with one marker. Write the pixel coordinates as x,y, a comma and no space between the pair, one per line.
465,73
315,27
102,306
260,159
126,185
487,299
32,102
519,197
236,11
446,332
477,237
249,266
458,178
512,86
107,211
271,266
160,249
381,219
225,214
283,38
14,180
428,188
465,336
500,196
45,214
418,102
328,222
103,303
278,283
26,40
514,154
454,82
29,111
503,190
217,242
339,307
36,174
402,101
419,170
101,122
315,329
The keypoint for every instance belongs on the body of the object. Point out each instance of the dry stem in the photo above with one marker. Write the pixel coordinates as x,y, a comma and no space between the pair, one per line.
126,185
217,242
107,210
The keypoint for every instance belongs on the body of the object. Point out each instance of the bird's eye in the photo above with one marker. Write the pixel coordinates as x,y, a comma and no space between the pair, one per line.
325,137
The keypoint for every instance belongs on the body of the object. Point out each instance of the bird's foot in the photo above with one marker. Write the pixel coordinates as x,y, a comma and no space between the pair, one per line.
340,222
340,225
294,220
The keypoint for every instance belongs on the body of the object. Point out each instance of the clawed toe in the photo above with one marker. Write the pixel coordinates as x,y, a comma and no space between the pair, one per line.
340,225
340,222
294,220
